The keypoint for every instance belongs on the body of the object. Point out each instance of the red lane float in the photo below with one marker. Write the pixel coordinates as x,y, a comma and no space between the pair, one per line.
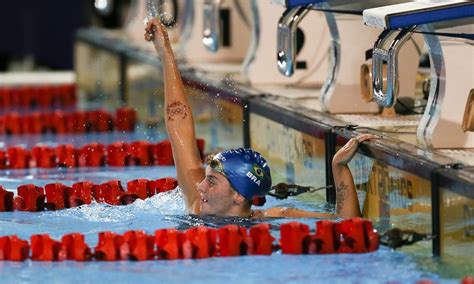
325,240
6,200
195,243
43,157
92,155
77,121
3,160
354,235
5,98
126,119
162,153
30,198
57,196
43,248
261,240
232,240
46,96
14,249
56,123
141,153
60,122
66,156
137,246
81,193
108,248
294,238
142,188
99,121
117,154
18,158
200,243
169,243
75,248
2,125
13,123
34,123
165,184
110,192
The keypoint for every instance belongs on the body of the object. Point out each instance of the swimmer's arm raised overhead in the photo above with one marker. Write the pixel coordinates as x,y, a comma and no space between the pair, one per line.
178,118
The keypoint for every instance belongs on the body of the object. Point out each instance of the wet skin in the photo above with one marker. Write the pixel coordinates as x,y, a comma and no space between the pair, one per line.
217,195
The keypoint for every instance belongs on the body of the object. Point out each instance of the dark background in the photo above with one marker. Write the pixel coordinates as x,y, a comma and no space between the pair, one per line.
44,29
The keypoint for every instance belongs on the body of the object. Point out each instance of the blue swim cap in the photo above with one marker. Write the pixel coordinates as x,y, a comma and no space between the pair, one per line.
246,170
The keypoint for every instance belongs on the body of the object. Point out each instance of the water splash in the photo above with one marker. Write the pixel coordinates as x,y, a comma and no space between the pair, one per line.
97,212
165,203
153,10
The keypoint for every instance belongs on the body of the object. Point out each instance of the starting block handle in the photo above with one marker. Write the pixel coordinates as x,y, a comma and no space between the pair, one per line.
405,17
211,26
390,58
286,39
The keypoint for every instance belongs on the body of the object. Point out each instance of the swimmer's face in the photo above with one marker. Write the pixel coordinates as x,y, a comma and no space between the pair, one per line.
217,195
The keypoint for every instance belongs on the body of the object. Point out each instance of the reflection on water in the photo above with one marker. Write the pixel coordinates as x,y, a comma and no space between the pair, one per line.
188,221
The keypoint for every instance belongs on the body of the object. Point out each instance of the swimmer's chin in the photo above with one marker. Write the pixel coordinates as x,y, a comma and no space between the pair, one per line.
204,210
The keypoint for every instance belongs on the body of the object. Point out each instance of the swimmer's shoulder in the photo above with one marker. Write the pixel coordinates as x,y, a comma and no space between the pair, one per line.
284,212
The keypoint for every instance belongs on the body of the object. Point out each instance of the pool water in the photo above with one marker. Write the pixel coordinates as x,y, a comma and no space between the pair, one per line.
166,210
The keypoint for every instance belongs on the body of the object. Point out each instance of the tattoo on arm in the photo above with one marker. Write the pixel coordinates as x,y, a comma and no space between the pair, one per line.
341,194
176,109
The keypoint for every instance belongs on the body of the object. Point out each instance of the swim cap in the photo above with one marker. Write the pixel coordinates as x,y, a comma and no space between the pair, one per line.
246,170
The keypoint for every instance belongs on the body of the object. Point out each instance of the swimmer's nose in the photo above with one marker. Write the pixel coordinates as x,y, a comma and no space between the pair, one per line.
201,186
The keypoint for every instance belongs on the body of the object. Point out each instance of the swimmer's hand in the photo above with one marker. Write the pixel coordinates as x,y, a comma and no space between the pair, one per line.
156,33
345,154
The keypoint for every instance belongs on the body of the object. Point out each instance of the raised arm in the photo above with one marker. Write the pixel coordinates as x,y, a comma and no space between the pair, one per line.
347,203
178,118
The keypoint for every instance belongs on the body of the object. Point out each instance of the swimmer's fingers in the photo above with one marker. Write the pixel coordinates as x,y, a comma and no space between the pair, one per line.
151,24
151,27
345,154
156,26
156,32
367,136
149,31
149,36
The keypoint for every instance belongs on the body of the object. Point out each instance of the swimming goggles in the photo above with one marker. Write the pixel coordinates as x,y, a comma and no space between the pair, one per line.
215,164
